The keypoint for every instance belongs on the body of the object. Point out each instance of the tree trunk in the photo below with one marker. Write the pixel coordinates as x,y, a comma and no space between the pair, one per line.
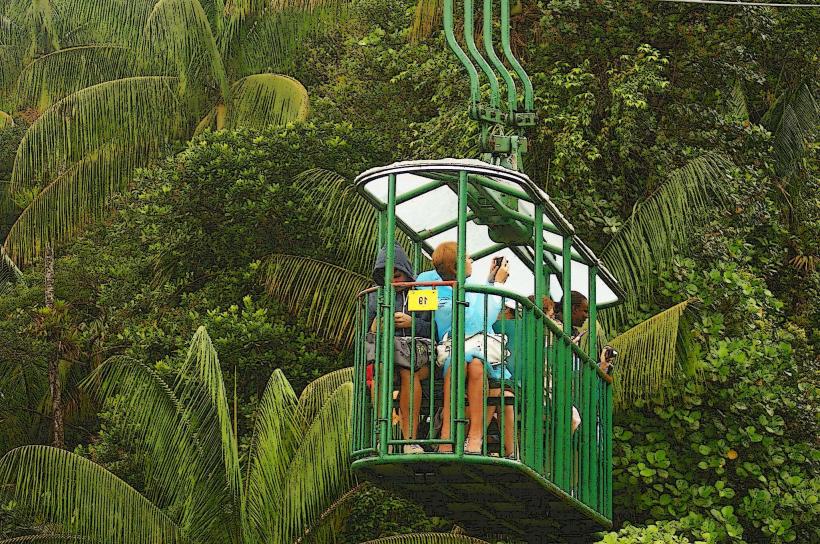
58,423
48,275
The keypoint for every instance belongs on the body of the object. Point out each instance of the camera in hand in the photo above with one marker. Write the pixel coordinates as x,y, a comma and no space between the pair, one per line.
609,355
498,261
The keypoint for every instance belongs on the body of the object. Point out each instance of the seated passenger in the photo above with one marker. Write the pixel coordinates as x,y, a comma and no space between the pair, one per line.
477,325
507,325
402,271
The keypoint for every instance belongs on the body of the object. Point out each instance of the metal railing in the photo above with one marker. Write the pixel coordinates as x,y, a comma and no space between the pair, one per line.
527,405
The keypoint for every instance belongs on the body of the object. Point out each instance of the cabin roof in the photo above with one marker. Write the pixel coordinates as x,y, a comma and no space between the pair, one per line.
429,216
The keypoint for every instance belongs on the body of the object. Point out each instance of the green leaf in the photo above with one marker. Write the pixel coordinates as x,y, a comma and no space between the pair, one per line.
647,355
85,498
301,283
54,76
267,99
658,224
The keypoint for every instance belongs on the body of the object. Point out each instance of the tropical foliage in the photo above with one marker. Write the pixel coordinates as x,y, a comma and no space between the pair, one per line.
112,86
198,489
680,141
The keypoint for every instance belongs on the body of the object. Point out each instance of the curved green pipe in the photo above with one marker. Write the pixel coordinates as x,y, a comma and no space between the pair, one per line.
459,52
505,44
476,54
487,32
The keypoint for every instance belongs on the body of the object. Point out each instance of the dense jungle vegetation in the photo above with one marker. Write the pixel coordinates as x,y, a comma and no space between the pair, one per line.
161,172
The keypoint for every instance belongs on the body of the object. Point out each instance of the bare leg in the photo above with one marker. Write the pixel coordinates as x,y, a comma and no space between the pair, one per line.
404,400
509,419
445,414
475,396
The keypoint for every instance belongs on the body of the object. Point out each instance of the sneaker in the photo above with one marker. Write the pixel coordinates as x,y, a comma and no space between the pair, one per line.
413,448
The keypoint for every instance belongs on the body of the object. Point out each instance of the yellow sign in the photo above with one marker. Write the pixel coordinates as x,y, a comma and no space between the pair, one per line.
420,300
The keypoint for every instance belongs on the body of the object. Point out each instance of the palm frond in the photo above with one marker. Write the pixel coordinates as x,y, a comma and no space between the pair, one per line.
647,242
87,500
54,538
181,34
648,355
347,217
9,273
324,293
320,470
737,106
202,358
54,76
267,99
74,198
175,429
270,41
317,392
331,522
277,432
6,120
136,112
793,121
427,18
104,22
338,208
428,538
69,149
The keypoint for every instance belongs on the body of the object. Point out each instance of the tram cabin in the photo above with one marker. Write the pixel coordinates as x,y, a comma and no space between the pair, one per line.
534,462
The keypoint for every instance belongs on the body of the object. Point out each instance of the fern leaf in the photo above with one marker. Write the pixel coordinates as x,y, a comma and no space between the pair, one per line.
648,355
267,99
83,497
324,292
647,242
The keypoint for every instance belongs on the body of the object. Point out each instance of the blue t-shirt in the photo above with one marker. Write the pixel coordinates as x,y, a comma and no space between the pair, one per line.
475,319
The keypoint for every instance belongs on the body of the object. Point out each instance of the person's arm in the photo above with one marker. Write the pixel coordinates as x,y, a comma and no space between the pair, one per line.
423,324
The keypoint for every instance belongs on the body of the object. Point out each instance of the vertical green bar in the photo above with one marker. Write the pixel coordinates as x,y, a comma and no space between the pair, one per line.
532,389
607,432
458,365
357,381
484,382
590,472
388,328
563,463
538,368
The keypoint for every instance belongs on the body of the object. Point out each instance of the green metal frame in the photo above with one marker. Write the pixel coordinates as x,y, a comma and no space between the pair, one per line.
502,140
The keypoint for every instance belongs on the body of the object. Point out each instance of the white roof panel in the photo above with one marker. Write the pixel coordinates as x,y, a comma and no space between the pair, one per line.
439,206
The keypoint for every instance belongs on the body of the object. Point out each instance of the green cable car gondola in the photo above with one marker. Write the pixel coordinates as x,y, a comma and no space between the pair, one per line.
543,470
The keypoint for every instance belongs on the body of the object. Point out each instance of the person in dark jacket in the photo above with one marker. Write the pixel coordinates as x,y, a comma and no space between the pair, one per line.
402,272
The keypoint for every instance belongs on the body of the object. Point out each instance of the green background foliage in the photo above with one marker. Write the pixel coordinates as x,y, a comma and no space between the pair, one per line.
626,93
